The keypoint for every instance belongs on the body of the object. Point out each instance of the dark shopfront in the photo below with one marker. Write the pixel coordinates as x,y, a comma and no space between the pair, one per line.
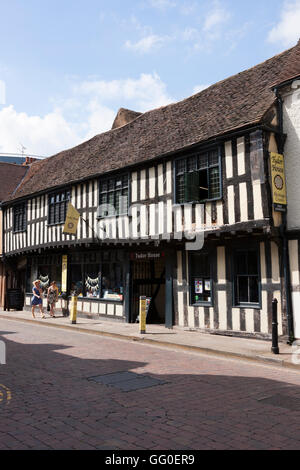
148,274
108,281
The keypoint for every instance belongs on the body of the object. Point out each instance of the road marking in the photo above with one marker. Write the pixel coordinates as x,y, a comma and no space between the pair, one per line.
5,394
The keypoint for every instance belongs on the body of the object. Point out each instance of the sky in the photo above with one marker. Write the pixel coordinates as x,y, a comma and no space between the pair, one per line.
67,66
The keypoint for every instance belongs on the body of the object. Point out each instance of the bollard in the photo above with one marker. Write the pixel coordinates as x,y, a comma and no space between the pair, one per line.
73,312
275,348
142,315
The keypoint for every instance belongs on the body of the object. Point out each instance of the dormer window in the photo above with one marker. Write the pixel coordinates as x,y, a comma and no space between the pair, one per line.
198,177
113,193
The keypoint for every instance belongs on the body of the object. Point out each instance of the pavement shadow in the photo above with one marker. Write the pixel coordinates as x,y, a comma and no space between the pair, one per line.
55,401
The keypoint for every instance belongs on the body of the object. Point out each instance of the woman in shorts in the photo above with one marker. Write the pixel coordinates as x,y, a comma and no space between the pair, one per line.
37,298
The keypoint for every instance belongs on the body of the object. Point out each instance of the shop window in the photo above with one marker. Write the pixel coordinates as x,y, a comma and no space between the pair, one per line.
57,207
113,199
247,278
92,280
76,280
112,281
198,177
94,276
200,278
90,274
20,218
45,268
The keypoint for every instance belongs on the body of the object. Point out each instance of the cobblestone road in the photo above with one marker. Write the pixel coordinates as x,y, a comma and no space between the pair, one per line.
48,400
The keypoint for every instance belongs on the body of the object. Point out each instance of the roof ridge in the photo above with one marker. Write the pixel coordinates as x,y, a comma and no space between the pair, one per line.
292,68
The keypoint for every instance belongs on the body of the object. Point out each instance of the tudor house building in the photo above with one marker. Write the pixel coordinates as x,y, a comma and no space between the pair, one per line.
175,204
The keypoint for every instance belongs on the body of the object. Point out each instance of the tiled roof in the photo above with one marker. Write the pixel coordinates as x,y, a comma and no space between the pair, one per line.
292,67
11,175
239,101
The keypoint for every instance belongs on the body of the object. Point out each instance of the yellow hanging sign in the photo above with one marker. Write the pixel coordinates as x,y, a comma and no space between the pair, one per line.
71,222
64,271
278,182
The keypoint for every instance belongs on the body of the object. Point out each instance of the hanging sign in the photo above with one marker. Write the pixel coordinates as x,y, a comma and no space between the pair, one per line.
64,270
278,182
70,227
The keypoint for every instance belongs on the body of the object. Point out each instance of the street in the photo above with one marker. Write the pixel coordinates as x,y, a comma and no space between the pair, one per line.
65,390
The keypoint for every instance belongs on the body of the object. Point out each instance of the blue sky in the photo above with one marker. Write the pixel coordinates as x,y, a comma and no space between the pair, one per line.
67,66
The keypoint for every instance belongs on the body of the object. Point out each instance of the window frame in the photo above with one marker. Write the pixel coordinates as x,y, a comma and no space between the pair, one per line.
22,208
202,303
235,304
60,203
108,179
197,153
107,258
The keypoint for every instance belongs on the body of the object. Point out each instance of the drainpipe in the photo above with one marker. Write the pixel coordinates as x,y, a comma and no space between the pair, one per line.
283,233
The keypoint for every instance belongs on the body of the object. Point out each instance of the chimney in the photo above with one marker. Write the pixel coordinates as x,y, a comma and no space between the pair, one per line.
123,117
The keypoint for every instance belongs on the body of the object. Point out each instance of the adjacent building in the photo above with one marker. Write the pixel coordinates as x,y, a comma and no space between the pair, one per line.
10,176
287,89
176,204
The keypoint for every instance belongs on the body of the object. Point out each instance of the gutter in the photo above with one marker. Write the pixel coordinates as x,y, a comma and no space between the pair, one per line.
283,233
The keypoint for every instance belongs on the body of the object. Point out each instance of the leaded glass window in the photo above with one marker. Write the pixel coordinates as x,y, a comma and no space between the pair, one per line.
113,198
198,177
247,279
20,218
58,204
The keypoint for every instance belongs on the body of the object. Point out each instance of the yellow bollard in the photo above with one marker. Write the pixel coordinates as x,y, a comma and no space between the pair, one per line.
142,314
73,311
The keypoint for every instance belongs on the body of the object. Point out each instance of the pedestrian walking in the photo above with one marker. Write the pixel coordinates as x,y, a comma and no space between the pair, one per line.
37,298
52,297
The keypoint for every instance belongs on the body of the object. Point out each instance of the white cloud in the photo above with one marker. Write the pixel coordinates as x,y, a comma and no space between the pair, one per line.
40,135
146,92
215,18
287,30
190,34
2,92
203,38
89,110
187,8
147,44
162,4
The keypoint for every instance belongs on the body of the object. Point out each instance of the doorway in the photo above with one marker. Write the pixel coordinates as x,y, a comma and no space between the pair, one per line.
148,279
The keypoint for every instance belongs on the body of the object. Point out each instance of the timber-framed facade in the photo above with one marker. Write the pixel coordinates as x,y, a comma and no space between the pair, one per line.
174,175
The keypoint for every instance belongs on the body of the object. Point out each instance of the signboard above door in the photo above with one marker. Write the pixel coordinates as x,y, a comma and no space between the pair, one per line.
146,255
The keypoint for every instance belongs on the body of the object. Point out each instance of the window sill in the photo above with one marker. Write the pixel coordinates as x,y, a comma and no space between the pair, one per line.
250,306
55,224
202,304
198,202
96,299
106,217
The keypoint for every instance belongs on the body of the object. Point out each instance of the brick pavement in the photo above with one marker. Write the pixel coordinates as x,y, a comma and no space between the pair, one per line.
205,402
177,337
